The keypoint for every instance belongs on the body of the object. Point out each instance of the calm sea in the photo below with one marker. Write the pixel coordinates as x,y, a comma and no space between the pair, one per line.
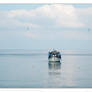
30,69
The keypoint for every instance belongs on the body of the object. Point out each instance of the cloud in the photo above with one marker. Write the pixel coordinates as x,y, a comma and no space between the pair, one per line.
49,15
85,16
46,17
31,35
9,23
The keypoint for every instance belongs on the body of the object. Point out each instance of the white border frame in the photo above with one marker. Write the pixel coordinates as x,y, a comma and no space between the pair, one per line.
44,89
46,1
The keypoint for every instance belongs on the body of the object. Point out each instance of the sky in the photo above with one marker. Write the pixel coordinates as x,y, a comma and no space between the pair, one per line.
46,26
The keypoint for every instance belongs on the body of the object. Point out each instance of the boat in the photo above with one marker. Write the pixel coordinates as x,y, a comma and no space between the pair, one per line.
54,56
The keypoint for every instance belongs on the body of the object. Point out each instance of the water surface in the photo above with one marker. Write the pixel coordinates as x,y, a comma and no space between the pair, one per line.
30,69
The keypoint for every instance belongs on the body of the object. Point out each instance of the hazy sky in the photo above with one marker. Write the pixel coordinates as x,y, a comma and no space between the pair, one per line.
46,26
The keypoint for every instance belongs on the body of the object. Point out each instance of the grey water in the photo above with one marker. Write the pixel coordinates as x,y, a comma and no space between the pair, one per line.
30,69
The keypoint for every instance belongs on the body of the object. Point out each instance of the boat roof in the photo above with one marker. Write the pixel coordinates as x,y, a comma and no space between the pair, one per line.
54,51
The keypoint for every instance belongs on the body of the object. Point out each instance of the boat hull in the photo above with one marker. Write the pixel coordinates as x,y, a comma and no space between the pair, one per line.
54,59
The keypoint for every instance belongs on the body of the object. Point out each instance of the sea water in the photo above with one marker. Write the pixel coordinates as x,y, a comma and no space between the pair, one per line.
30,69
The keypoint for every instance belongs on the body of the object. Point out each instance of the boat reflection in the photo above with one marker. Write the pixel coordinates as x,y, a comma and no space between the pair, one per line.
54,74
54,68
